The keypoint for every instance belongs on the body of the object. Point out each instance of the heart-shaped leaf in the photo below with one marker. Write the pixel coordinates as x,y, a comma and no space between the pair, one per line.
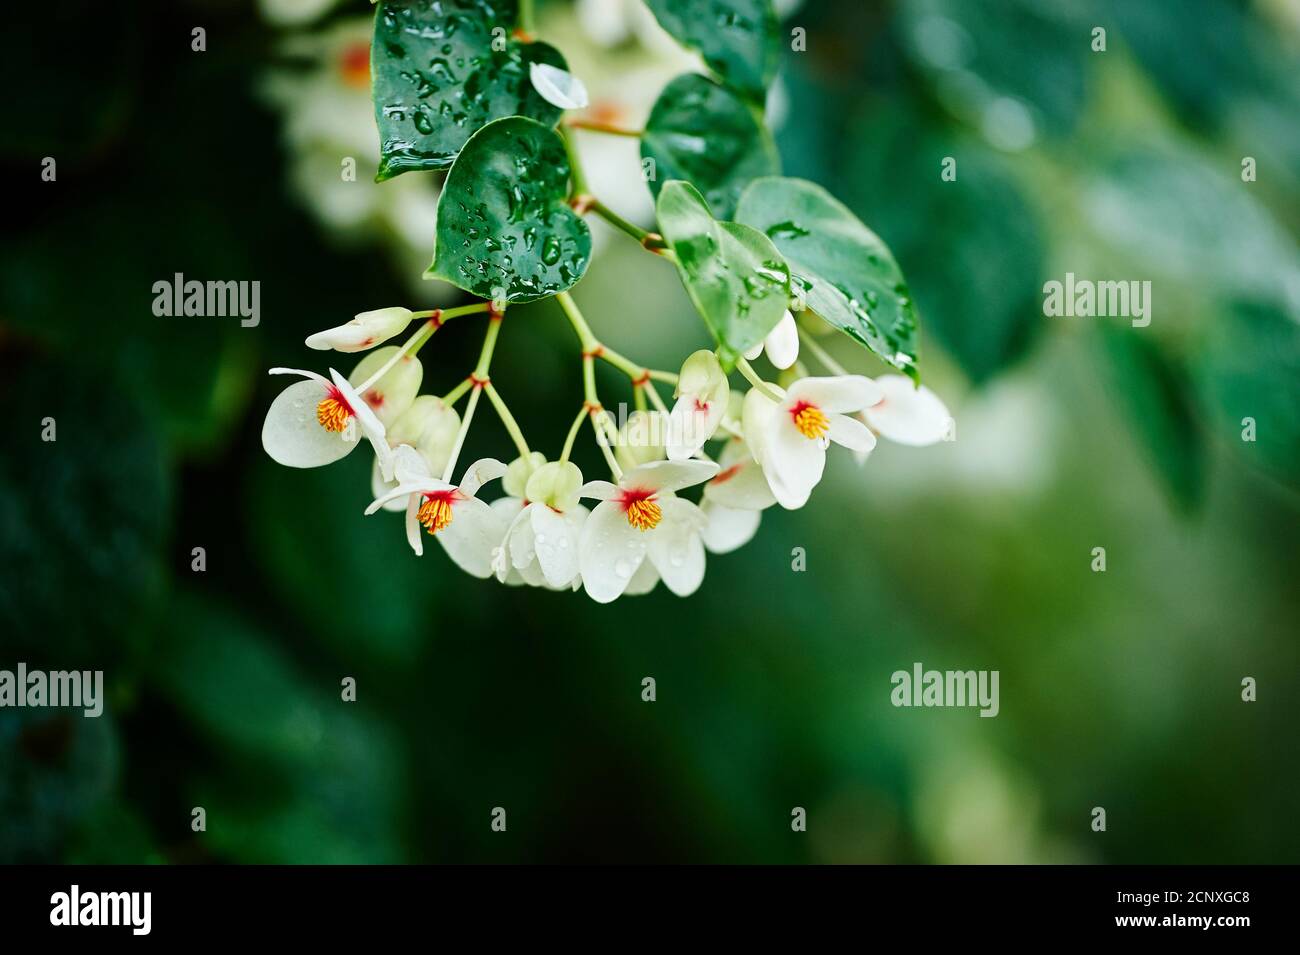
706,134
847,273
737,38
734,275
442,69
505,229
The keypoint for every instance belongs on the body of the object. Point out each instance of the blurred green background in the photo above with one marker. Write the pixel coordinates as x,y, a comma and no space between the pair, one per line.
1118,689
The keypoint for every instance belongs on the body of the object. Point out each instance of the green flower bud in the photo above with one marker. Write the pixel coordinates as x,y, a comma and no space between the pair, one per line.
556,485
519,471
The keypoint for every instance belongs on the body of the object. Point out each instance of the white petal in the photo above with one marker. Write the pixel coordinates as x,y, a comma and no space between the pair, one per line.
793,464
740,486
413,524
370,425
558,87
643,581
598,490
907,414
850,433
520,538
690,426
379,488
669,475
675,546
474,532
842,394
301,372
291,434
479,473
754,352
609,552
782,342
728,528
364,331
757,418
556,538
410,466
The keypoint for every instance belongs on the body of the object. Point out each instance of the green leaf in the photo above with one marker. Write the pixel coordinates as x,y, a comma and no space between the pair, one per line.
706,134
734,275
437,78
504,223
1249,367
1155,392
737,38
849,275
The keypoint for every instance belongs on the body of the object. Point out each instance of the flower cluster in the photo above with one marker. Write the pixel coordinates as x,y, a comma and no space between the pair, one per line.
551,527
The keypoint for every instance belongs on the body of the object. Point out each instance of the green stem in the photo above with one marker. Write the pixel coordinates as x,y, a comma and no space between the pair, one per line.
453,396
607,128
507,419
526,17
575,164
437,317
573,433
605,449
829,363
586,337
752,377
460,435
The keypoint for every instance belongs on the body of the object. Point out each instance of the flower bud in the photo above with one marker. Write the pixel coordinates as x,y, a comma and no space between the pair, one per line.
430,427
702,378
520,470
641,439
392,394
556,485
366,330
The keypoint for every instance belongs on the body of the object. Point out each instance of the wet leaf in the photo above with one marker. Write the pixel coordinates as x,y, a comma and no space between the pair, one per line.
441,70
734,275
705,134
504,224
737,38
848,274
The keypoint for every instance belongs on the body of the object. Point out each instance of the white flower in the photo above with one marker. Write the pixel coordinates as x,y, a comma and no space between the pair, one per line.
781,343
364,331
542,540
641,518
316,422
467,527
429,426
558,87
734,499
789,437
702,393
907,413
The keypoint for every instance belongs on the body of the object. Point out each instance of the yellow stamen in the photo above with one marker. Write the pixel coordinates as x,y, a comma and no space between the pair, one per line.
644,514
811,421
333,414
434,514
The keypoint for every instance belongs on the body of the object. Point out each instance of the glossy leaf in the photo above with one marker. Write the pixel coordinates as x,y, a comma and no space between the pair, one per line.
847,273
504,224
441,70
734,275
707,135
737,38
